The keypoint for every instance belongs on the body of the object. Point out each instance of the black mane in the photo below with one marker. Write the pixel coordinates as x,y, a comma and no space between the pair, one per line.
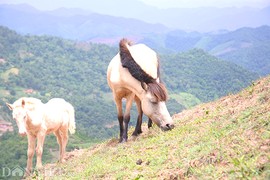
128,62
156,88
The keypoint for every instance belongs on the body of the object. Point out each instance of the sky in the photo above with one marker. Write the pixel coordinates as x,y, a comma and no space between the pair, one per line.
207,3
54,4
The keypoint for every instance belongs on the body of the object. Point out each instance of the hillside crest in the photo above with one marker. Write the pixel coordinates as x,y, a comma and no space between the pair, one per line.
228,139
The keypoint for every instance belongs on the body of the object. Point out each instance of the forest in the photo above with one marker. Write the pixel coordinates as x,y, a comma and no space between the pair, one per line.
46,67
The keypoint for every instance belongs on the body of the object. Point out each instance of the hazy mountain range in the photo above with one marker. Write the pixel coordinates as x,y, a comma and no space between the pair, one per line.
246,46
111,20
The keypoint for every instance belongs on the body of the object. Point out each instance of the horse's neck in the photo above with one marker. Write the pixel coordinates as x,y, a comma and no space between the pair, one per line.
35,116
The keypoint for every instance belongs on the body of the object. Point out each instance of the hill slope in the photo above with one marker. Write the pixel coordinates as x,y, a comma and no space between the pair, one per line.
228,138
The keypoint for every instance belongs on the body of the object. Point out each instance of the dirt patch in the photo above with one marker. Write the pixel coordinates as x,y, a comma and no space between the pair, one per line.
5,127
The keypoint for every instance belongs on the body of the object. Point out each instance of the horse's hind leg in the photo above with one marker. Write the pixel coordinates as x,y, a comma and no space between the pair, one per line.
64,135
138,129
59,140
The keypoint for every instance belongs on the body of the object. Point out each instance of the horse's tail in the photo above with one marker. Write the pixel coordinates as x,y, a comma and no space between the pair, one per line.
71,112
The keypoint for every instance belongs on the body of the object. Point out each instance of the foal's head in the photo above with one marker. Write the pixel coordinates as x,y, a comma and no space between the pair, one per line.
19,113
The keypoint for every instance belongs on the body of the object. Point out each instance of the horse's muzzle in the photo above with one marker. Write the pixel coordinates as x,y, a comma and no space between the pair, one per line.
167,127
22,134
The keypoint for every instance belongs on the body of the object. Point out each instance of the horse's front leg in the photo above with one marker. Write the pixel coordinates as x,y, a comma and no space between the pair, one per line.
39,150
30,152
150,122
127,116
138,129
59,140
118,102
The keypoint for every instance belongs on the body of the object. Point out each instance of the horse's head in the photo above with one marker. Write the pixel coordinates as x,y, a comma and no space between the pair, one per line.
143,64
19,113
153,105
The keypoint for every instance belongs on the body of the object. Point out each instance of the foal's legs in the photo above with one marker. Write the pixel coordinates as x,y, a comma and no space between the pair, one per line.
64,135
59,140
39,149
30,152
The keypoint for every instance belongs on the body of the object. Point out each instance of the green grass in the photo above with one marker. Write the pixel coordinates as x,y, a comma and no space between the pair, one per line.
225,139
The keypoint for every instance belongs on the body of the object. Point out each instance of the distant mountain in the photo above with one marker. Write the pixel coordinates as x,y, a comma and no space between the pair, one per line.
205,76
82,26
203,19
247,47
109,19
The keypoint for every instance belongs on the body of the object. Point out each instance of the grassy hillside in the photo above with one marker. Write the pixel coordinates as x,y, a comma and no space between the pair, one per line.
225,139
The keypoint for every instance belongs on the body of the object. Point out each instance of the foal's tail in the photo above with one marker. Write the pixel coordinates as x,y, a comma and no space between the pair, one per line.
71,112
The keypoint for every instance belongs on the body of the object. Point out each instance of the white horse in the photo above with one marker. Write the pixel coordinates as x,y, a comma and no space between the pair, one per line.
36,119
133,74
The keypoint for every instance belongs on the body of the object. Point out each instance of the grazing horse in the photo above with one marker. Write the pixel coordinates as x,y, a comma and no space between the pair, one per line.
133,74
36,119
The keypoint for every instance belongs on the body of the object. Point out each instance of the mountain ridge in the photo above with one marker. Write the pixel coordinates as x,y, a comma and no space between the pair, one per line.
186,19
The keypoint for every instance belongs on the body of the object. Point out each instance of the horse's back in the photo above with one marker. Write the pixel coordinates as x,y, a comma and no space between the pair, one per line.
57,110
144,56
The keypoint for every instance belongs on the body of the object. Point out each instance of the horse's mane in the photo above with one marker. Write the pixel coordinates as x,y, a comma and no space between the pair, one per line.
158,89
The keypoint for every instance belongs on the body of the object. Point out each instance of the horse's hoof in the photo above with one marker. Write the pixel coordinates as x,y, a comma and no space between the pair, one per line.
39,167
136,133
123,140
27,173
61,161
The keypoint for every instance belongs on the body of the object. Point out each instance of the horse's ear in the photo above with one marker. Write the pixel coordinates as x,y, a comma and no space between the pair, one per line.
144,86
10,107
23,103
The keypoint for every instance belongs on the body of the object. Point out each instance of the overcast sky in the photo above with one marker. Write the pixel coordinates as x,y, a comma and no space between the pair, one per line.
54,4
207,3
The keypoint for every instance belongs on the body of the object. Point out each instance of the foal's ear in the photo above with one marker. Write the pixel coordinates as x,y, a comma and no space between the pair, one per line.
144,86
23,103
10,107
